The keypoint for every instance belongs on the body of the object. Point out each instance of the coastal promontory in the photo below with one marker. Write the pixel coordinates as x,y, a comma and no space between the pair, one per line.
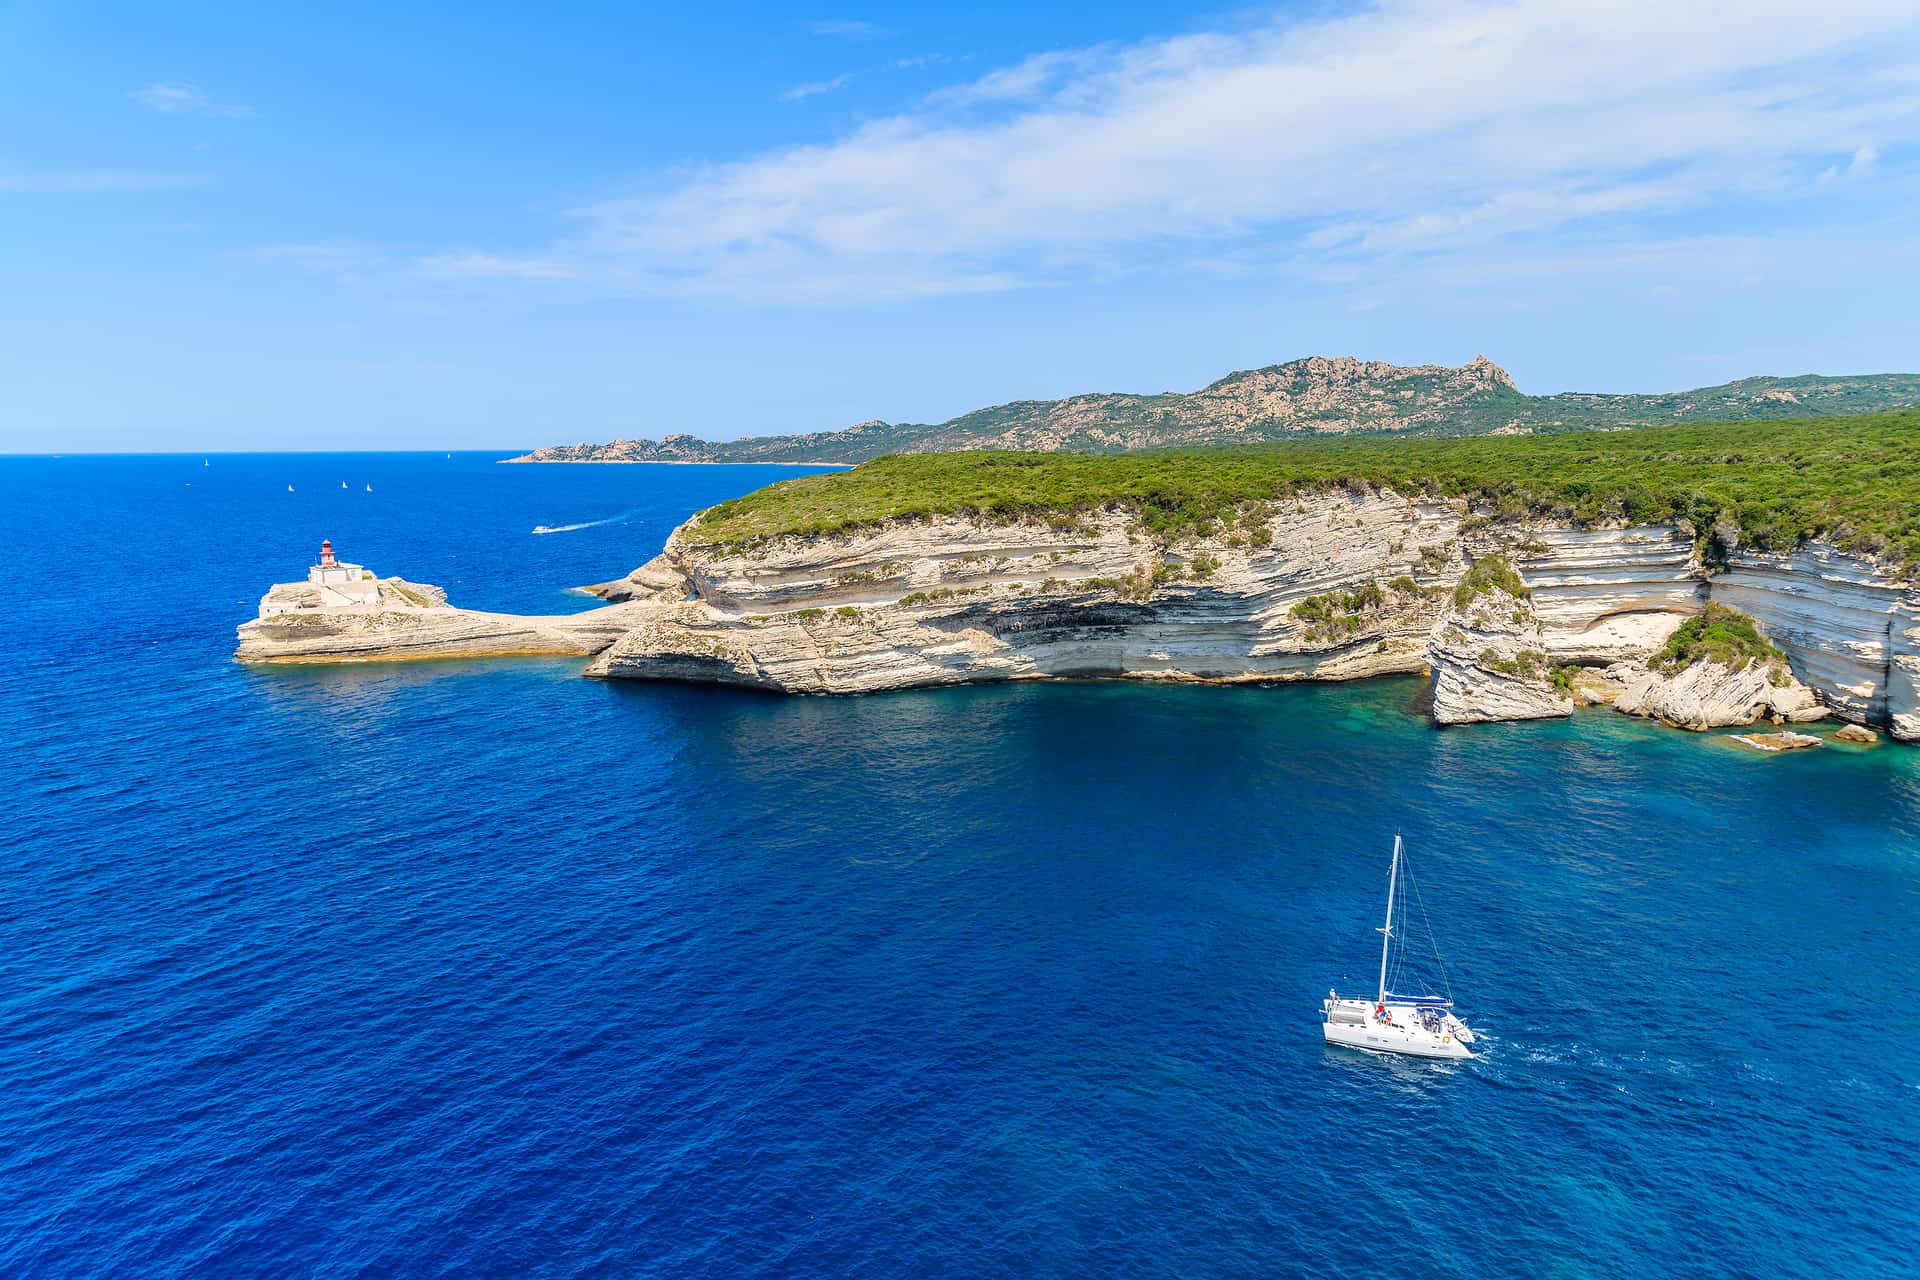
1704,575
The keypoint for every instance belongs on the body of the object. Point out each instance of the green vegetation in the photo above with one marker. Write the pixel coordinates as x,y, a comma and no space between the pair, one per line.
1527,664
1337,614
1854,480
1718,634
1483,575
1423,401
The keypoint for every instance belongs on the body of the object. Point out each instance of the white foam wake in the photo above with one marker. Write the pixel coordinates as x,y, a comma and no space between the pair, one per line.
584,524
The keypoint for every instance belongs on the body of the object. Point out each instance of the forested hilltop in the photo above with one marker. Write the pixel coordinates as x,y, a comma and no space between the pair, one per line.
1317,396
1854,481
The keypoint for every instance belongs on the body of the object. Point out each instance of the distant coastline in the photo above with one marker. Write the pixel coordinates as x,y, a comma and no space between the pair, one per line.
1311,398
663,462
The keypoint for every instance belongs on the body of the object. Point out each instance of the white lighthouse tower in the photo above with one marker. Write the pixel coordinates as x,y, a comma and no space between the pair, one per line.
341,584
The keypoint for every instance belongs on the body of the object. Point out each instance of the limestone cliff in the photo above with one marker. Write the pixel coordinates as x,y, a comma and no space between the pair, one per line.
1336,585
412,620
1488,661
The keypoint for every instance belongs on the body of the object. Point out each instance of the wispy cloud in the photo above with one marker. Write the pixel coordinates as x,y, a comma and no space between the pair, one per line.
176,99
814,88
848,29
82,181
1407,127
489,266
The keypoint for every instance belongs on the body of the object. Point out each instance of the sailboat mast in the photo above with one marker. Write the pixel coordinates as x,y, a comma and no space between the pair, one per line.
1386,941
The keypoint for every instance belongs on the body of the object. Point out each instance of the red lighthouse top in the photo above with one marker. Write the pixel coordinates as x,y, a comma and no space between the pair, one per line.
326,553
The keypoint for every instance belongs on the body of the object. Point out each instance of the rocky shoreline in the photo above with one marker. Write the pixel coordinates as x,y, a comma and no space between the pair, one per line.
1333,586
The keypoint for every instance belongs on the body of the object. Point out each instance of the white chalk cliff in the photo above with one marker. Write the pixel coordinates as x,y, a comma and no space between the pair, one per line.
1488,660
1333,586
1710,695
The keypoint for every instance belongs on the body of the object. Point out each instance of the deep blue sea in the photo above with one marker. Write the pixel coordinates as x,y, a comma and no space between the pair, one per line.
484,969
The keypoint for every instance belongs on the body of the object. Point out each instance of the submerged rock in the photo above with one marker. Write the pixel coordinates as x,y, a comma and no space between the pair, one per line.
1783,741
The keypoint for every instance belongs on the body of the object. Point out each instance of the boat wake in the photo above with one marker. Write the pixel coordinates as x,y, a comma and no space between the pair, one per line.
584,524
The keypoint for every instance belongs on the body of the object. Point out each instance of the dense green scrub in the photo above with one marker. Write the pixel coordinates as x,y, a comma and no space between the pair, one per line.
1854,480
1716,634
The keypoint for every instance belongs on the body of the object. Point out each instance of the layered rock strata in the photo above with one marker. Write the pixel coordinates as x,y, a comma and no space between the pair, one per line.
1333,586
413,620
1489,661
1710,695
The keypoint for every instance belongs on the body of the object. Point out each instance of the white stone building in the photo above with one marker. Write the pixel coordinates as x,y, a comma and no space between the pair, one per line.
333,584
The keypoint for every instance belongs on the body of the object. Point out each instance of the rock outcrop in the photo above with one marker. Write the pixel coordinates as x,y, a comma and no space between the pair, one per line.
1488,658
1784,741
413,620
1711,695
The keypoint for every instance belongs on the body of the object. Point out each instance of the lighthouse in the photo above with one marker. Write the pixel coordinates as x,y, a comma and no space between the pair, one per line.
341,585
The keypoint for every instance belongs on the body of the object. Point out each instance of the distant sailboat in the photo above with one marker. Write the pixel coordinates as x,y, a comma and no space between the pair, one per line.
289,488
1423,1026
343,484
205,463
369,488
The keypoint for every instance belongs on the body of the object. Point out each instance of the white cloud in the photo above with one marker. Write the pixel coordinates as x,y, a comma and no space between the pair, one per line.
185,99
815,88
848,29
1409,126
488,266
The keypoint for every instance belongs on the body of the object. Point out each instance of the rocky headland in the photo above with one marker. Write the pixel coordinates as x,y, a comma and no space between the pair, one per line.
412,620
1724,574
1510,620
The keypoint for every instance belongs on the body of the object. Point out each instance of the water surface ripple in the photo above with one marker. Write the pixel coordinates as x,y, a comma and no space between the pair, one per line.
484,969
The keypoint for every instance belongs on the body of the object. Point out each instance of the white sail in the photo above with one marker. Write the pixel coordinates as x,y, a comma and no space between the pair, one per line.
1421,1025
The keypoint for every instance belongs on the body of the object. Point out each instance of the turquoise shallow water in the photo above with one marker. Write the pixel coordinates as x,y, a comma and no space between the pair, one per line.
458,969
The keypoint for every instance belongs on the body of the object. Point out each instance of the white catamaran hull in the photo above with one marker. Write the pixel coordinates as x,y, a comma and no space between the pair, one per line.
1419,1026
1352,1023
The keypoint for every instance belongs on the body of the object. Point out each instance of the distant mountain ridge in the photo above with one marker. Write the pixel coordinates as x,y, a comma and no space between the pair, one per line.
1314,396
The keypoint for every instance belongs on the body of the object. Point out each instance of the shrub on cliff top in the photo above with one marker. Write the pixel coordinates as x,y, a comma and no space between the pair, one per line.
1484,575
1716,634
1853,479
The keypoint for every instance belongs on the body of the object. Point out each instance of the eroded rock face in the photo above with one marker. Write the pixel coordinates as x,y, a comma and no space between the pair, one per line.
1709,695
1332,586
1903,670
1838,617
412,620
1310,593
1489,661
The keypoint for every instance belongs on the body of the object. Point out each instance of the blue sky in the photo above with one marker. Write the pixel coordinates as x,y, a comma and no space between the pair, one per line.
486,226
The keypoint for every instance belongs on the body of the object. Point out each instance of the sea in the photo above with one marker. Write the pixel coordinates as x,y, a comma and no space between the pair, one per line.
453,969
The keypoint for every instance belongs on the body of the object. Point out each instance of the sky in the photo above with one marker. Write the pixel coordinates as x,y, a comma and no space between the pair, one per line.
499,226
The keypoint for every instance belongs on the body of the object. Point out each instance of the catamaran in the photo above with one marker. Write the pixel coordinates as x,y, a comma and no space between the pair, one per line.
1424,1026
